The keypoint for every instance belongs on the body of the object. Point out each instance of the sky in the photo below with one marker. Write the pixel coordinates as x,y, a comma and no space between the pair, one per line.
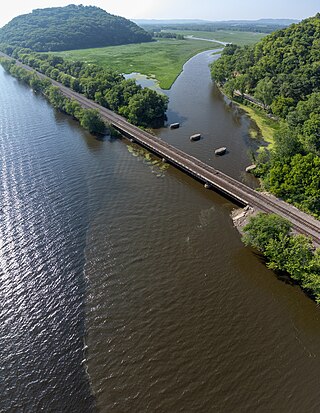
178,9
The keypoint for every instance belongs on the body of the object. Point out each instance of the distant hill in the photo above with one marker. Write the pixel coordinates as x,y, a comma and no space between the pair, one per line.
262,25
170,21
70,27
277,22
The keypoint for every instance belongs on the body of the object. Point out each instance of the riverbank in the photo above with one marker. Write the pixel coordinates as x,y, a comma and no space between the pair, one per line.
263,127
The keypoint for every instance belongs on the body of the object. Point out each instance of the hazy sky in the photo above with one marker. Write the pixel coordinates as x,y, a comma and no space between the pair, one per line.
174,9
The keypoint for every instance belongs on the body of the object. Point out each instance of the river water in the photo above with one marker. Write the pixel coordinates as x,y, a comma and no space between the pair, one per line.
124,286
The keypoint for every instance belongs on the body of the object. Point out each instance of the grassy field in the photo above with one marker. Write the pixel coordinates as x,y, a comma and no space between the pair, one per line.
162,60
239,38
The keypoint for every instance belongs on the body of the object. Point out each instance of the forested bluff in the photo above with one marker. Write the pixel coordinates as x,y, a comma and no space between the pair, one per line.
283,72
70,27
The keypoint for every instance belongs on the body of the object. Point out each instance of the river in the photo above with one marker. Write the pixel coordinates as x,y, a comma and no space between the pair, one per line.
124,286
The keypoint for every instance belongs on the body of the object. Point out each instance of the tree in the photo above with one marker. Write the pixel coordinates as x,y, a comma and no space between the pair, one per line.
264,91
146,108
310,136
263,227
56,98
39,85
91,120
241,83
281,106
73,108
70,27
293,254
286,143
296,180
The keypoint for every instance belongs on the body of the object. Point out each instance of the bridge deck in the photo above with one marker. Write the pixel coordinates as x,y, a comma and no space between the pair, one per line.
233,189
240,193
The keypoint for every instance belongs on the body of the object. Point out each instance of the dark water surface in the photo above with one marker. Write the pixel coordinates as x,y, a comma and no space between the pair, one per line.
127,281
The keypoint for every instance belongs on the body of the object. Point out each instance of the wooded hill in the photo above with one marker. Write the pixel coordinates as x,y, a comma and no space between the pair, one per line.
70,27
283,71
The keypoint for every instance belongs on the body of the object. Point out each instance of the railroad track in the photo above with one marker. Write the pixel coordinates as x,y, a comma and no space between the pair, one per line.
239,192
301,221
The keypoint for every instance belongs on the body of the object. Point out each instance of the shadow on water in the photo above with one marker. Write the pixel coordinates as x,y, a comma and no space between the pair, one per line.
175,117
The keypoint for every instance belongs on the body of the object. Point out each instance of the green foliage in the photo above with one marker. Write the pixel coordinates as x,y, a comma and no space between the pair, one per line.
146,108
264,91
283,64
168,35
141,106
281,106
73,108
282,71
56,98
290,253
91,120
262,228
226,31
293,254
297,180
286,143
303,110
162,59
70,27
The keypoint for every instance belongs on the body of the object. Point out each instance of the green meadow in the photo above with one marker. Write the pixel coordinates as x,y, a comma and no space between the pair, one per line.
162,60
236,37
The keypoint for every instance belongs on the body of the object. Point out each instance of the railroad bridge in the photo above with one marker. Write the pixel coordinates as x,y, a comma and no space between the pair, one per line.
234,190
239,193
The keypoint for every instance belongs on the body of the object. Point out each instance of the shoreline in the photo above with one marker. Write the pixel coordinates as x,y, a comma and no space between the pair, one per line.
264,128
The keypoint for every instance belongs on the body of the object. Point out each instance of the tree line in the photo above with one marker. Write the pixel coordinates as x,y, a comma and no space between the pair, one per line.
282,71
256,26
294,254
142,107
89,119
167,35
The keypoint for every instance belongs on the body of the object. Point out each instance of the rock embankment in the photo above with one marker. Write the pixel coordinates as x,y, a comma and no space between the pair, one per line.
241,216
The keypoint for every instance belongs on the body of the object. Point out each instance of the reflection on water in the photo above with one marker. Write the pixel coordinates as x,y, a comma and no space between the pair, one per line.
44,216
179,315
144,81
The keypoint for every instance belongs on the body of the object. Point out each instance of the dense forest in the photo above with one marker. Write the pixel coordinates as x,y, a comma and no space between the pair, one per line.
283,72
142,107
70,27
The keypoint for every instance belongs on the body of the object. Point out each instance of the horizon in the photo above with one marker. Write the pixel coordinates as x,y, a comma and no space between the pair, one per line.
180,10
